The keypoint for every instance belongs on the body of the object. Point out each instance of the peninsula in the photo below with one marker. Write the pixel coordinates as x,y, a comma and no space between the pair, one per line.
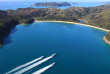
96,17
52,4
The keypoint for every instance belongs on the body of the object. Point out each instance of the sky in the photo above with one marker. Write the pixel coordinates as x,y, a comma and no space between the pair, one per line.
62,0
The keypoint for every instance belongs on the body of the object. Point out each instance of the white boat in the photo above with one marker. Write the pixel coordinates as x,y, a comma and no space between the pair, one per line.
53,55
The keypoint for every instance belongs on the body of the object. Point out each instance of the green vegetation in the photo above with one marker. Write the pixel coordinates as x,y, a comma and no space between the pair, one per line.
52,4
97,16
108,36
26,20
7,22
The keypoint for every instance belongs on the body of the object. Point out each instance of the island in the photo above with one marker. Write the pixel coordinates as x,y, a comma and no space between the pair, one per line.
96,17
105,2
52,4
74,3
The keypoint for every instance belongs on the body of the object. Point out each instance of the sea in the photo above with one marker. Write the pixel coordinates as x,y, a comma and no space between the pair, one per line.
79,49
6,5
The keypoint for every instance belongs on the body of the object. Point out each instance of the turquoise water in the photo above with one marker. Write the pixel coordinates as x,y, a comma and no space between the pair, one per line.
5,5
80,49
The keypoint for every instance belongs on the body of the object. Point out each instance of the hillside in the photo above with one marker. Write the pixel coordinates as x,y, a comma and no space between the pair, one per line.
97,16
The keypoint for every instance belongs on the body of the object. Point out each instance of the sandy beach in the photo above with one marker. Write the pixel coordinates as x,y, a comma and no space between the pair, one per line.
75,23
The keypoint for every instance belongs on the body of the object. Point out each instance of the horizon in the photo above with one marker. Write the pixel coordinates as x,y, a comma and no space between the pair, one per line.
62,0
35,35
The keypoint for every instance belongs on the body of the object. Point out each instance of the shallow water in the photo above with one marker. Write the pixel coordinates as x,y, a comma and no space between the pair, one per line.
80,49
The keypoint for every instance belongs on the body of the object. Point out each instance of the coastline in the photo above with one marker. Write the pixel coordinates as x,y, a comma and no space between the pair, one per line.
106,41
74,23
1,45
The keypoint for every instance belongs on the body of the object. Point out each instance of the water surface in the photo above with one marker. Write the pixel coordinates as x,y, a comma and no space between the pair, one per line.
80,49
5,5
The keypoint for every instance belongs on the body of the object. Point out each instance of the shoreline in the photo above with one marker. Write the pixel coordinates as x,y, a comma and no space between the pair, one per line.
106,41
74,23
1,45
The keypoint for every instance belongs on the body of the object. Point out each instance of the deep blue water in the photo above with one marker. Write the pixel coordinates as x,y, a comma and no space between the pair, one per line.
80,49
5,5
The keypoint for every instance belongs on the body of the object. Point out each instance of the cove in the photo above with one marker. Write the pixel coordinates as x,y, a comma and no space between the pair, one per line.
80,49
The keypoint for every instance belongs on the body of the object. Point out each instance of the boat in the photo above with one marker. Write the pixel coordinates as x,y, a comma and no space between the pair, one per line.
53,55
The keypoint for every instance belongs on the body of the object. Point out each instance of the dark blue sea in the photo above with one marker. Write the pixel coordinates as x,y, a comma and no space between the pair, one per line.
79,49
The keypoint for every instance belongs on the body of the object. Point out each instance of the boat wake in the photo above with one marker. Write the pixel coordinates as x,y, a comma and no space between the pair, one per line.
43,69
24,65
34,65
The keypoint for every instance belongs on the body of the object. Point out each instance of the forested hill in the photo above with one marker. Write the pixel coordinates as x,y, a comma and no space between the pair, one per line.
52,4
97,16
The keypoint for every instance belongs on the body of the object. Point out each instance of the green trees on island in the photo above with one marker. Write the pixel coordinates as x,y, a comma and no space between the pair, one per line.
52,4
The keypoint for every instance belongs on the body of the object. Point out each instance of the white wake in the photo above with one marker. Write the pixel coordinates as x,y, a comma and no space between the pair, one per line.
43,69
24,65
34,65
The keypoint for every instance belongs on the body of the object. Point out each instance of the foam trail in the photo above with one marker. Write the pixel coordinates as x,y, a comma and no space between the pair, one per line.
24,65
34,65
43,69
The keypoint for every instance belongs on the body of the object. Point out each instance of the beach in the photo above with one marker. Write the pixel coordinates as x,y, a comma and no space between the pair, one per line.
75,23
104,38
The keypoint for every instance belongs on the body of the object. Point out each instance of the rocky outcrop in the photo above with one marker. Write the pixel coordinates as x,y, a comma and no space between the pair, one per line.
106,40
1,42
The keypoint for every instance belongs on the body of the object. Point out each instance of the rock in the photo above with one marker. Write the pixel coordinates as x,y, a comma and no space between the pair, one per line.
105,39
1,42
